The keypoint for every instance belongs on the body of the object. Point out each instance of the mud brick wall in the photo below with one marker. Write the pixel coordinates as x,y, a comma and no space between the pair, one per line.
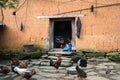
100,29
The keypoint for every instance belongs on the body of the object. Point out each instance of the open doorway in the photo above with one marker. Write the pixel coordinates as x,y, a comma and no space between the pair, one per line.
62,32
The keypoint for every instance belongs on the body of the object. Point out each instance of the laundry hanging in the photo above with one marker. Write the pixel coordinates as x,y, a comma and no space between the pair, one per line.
79,25
2,24
21,26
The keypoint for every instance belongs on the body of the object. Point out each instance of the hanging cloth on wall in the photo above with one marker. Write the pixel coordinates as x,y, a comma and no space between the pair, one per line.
2,24
79,25
21,26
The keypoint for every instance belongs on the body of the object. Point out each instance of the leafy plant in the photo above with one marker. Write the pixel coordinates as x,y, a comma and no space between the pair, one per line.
114,56
8,3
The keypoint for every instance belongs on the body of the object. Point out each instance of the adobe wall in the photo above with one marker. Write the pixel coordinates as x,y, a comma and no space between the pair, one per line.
100,29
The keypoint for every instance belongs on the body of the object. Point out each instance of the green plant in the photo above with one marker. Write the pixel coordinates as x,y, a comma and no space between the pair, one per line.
36,54
7,3
8,54
30,55
21,55
88,50
113,56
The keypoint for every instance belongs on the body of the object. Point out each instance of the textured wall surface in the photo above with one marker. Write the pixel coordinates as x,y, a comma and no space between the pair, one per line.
100,29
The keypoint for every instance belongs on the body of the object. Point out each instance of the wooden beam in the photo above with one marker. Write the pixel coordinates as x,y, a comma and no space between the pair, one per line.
62,16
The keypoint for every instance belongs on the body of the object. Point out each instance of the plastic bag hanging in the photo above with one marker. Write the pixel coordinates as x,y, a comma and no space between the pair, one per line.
79,25
21,26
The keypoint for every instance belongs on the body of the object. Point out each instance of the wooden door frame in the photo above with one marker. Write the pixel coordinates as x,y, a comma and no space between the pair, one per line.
51,45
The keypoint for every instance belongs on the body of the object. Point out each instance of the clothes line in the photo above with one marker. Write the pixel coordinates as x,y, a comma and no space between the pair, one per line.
62,16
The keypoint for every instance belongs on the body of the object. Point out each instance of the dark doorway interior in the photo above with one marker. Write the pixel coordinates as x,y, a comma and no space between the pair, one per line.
62,32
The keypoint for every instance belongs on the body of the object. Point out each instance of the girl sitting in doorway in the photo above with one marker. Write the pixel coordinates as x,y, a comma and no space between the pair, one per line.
68,46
